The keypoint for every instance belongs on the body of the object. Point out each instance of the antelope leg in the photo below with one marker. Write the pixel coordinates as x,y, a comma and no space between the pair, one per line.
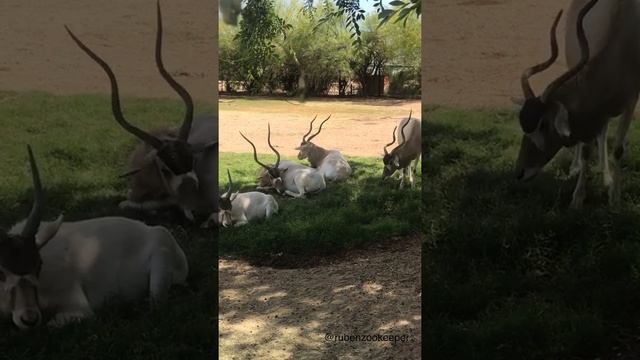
576,163
603,156
580,191
623,128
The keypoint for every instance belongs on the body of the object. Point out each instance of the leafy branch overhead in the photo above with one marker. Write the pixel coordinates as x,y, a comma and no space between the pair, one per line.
351,10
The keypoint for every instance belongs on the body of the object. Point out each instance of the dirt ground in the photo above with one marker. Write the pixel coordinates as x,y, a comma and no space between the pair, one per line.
357,128
286,314
38,54
475,50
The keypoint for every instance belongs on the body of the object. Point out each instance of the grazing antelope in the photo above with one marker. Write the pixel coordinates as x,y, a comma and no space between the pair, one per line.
408,151
173,167
64,271
574,110
286,177
239,209
330,163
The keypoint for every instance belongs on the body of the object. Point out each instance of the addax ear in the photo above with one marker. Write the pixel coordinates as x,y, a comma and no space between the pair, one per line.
561,120
48,231
234,195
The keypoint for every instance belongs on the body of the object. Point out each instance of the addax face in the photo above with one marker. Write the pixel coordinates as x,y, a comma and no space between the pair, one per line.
303,150
391,165
20,266
545,134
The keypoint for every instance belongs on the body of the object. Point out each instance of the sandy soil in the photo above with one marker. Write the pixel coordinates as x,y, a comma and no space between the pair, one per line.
475,50
357,128
38,54
285,314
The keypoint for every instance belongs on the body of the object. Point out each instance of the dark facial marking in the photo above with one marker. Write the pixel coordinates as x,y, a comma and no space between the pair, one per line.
20,256
177,156
531,113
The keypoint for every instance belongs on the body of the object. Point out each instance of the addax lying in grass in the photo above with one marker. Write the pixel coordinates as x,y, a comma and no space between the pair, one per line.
286,177
331,164
240,209
68,270
172,167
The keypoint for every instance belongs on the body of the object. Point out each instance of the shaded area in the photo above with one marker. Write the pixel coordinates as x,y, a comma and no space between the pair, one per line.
510,271
80,152
361,211
268,313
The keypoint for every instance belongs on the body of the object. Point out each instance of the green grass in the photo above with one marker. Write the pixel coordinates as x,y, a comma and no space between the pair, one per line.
509,271
80,152
356,213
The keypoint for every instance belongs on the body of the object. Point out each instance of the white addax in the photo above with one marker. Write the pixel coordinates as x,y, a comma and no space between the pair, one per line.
64,271
603,54
329,163
172,167
286,177
237,209
406,156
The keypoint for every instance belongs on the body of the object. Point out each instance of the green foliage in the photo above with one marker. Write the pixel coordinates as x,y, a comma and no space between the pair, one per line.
510,271
313,59
317,51
80,152
259,28
354,214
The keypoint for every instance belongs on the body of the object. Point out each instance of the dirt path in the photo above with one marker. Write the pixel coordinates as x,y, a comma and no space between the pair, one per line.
285,314
476,49
357,128
38,54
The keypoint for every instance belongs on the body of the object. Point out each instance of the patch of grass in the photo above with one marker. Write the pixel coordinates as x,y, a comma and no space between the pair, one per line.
509,271
80,152
356,213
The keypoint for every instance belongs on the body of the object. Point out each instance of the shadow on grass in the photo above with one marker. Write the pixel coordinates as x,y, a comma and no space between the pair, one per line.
356,213
509,270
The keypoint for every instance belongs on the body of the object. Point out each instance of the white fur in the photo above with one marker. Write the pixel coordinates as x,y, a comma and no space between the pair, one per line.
88,262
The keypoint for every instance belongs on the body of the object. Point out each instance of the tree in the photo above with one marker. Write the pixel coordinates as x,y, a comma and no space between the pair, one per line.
260,26
316,59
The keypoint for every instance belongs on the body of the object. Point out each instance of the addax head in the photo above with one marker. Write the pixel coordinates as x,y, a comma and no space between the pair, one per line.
544,120
391,159
175,154
272,175
20,261
226,204
306,146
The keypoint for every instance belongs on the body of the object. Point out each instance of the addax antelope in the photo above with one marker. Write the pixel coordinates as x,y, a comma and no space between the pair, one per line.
173,167
603,51
286,177
239,209
407,152
330,163
63,271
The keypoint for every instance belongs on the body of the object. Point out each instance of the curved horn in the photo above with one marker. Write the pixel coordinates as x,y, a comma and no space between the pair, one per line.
304,138
35,216
392,142
584,48
228,193
271,146
115,97
255,153
528,73
404,140
319,129
185,129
